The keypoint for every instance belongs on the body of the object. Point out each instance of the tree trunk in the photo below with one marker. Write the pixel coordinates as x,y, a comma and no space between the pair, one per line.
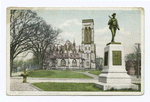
40,63
11,66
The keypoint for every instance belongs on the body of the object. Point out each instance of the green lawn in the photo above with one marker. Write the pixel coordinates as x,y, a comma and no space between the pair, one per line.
56,74
95,72
53,86
50,86
81,70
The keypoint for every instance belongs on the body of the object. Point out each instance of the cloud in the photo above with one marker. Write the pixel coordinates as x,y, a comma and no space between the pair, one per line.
68,22
66,34
71,36
103,36
124,32
107,30
102,31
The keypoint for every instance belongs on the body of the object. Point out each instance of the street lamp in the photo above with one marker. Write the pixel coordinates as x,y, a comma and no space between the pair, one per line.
138,59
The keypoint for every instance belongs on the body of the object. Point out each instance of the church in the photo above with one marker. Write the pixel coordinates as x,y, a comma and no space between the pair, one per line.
70,56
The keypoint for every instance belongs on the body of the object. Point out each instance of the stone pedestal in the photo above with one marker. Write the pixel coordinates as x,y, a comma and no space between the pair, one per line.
24,77
114,74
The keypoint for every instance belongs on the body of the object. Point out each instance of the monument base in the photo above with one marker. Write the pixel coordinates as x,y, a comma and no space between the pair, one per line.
114,74
105,86
114,43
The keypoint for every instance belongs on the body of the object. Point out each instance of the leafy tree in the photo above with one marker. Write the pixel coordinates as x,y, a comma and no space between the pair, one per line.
133,56
15,63
131,59
20,63
32,61
44,37
22,24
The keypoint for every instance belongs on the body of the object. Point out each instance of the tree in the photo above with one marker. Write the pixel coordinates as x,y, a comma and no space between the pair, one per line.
20,63
16,64
44,37
133,60
22,24
133,56
32,61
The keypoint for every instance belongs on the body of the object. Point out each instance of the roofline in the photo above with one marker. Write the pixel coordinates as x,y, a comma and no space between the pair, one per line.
87,20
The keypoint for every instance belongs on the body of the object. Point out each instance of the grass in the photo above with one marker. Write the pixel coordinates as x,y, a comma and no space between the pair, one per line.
53,86
56,74
50,86
95,72
81,70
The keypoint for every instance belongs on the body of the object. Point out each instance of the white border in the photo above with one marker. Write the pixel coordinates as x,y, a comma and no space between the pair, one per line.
74,93
72,3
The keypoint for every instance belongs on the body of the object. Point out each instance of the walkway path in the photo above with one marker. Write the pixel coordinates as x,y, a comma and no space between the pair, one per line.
134,78
17,85
87,73
75,80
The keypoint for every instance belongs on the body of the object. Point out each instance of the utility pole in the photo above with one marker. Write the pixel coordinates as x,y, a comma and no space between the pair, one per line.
138,52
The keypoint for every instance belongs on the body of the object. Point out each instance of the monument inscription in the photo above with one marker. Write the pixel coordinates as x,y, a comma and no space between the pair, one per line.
117,58
106,59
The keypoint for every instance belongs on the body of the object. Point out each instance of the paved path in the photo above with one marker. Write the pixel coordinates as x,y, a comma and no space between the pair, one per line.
87,73
134,79
17,85
75,80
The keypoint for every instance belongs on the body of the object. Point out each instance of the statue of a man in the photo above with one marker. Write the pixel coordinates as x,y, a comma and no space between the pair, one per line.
113,26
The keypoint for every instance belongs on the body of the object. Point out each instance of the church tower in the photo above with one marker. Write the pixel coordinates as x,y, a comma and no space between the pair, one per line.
88,46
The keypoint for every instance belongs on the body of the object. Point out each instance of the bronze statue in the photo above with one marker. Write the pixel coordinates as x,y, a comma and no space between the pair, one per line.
113,26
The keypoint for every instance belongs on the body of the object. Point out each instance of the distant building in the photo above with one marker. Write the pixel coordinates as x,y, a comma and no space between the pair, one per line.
99,63
70,56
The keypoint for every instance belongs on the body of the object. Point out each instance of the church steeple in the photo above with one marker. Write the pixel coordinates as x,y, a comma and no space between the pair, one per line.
88,31
88,46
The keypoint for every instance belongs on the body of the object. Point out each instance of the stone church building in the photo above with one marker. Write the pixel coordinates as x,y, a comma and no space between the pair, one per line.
70,56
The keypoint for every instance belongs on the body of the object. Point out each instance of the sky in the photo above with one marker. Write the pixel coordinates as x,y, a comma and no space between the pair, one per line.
70,22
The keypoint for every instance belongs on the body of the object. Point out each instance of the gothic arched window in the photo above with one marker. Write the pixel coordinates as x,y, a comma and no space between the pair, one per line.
86,35
85,48
87,63
89,34
82,63
63,62
87,55
74,63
